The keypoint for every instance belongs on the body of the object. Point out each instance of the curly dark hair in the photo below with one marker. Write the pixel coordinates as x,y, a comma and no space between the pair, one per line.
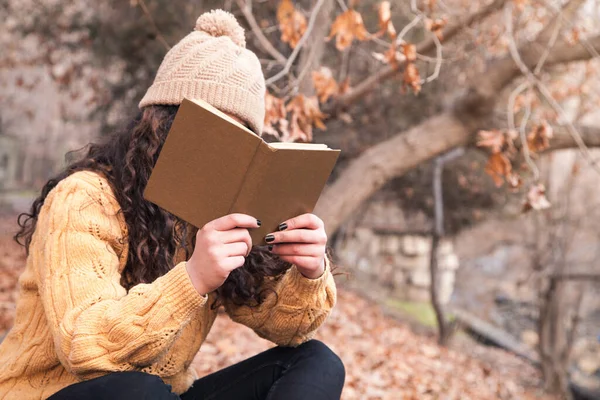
126,159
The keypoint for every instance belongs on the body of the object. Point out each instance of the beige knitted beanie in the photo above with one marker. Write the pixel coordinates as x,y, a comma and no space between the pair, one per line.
212,63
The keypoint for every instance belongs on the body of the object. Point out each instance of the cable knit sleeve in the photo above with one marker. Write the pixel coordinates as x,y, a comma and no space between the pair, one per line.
97,325
292,311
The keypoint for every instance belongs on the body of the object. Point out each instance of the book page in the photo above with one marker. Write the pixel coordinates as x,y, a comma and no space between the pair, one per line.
298,146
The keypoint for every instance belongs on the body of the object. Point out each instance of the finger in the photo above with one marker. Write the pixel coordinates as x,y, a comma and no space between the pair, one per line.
235,235
231,263
304,221
297,236
294,249
235,249
232,221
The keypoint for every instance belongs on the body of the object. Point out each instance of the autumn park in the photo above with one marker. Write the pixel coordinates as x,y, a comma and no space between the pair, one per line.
461,216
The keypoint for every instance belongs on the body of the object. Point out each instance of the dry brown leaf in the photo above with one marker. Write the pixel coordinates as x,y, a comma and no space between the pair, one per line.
412,77
292,23
410,52
536,199
436,26
514,181
305,114
391,55
385,20
499,168
521,4
347,27
511,135
430,4
494,140
325,84
539,137
275,116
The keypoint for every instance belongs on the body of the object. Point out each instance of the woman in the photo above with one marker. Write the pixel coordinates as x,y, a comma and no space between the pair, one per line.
118,295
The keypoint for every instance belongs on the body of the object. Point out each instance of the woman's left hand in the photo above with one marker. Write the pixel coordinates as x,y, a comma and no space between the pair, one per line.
301,241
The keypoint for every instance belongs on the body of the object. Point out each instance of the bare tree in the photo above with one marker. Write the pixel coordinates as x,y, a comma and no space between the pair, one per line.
444,327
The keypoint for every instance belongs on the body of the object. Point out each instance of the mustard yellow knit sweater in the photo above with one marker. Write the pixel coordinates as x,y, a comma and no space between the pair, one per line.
74,321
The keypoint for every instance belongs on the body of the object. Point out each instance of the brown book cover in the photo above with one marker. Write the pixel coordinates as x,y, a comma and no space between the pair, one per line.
211,166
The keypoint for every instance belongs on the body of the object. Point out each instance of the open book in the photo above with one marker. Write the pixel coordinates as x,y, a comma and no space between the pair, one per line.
211,166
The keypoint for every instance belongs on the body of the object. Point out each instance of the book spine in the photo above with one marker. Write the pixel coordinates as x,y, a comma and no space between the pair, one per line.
251,167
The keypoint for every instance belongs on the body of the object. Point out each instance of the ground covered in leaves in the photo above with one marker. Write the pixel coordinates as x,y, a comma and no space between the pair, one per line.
384,358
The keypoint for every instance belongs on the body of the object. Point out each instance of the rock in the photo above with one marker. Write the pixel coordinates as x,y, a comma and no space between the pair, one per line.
363,235
420,277
386,275
449,261
415,245
391,244
418,294
363,265
374,247
446,287
530,338
589,363
411,263
445,248
399,278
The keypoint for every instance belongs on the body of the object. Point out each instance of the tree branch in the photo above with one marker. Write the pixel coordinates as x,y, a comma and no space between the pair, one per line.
311,57
535,81
563,140
159,35
245,6
393,157
290,61
504,70
577,277
567,12
440,133
425,47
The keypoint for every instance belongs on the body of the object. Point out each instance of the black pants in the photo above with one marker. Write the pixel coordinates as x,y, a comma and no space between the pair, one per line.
310,371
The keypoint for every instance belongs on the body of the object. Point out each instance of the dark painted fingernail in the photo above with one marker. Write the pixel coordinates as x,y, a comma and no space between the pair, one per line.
258,222
270,247
282,226
269,238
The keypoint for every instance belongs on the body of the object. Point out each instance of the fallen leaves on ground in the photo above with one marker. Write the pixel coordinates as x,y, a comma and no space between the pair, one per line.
384,358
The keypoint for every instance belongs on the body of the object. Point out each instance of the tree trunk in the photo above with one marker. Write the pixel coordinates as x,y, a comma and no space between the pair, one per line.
382,162
443,326
438,134
312,53
553,340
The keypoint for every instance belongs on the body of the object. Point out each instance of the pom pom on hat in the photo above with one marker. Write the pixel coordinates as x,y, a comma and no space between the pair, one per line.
221,23
205,65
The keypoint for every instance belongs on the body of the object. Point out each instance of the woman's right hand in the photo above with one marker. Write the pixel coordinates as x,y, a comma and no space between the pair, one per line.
221,246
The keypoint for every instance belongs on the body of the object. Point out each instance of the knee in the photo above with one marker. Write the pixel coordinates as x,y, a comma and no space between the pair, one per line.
325,359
